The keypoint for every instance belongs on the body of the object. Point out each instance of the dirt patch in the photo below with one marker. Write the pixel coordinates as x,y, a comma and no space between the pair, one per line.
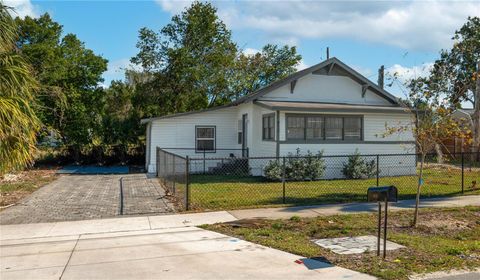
14,187
449,167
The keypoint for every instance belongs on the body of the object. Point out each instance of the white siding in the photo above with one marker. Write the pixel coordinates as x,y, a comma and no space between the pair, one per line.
179,132
328,89
259,147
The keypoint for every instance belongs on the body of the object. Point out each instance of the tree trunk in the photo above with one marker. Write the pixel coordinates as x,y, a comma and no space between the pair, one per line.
419,185
476,113
438,150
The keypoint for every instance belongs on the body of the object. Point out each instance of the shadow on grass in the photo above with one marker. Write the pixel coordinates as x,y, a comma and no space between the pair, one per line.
233,192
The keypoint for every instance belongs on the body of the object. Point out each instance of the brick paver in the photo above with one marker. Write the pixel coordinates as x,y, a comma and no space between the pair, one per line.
80,197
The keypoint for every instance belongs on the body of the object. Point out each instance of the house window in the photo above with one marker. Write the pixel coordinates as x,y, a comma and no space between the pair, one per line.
205,138
318,127
352,128
268,125
315,127
295,127
333,128
240,132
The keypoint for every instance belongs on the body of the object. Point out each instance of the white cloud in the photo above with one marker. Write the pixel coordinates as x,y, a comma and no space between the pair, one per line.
419,25
116,70
250,51
22,8
302,65
174,6
404,74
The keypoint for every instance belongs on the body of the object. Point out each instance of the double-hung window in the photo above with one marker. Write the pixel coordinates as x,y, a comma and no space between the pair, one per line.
315,127
352,128
268,127
324,127
205,138
295,127
333,128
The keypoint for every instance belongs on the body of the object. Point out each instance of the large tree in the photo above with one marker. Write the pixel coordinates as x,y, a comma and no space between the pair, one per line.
188,59
253,71
18,122
69,74
455,74
192,63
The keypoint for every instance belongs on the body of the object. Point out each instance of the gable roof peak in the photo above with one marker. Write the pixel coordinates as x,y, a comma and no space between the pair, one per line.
348,71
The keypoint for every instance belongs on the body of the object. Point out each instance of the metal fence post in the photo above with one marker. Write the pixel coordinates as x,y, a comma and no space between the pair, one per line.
378,169
174,175
157,161
204,161
164,173
463,172
187,183
283,180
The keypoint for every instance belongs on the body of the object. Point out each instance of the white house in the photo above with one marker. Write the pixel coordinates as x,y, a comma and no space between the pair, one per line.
328,107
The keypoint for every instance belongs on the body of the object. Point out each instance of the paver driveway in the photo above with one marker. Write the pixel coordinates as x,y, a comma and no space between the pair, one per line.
79,197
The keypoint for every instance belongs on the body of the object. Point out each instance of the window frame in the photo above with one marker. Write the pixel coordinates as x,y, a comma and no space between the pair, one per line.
304,127
267,117
214,150
307,140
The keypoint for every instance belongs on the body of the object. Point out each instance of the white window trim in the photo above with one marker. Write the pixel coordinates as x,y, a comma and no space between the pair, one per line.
214,139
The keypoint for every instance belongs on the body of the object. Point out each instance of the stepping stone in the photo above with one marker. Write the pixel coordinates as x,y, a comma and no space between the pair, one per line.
354,245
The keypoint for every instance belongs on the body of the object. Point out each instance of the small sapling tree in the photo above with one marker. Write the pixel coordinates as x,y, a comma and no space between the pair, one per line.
431,124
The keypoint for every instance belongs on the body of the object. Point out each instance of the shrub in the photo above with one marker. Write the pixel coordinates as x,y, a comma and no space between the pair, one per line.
297,167
273,170
314,166
358,168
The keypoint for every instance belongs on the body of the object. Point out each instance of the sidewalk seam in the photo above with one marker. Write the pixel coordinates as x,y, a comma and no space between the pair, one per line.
70,257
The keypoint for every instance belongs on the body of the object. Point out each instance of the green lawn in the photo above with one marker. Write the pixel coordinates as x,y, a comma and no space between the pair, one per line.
230,192
445,239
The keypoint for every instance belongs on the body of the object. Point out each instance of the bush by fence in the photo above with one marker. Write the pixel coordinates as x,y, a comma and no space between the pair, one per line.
232,182
131,154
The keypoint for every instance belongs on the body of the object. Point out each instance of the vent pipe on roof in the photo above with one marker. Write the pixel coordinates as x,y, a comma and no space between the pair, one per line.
381,74
328,52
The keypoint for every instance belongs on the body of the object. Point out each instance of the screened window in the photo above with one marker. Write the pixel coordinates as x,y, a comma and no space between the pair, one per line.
315,127
268,124
333,128
295,127
353,128
205,138
318,127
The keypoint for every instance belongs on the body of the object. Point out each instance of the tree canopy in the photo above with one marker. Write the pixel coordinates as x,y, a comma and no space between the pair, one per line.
192,63
454,77
18,121
69,75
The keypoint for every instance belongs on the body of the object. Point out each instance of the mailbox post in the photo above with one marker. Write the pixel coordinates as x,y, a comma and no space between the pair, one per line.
382,194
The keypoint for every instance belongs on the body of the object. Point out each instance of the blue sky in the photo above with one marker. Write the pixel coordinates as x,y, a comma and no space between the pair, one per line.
405,36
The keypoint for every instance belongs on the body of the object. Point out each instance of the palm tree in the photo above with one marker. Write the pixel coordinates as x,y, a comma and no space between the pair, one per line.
18,122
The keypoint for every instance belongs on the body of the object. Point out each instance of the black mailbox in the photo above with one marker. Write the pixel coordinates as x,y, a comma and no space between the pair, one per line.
380,194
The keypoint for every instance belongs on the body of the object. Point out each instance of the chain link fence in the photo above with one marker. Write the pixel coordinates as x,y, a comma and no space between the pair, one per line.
209,183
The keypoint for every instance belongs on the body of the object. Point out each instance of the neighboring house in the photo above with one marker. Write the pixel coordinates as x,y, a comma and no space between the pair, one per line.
328,107
456,144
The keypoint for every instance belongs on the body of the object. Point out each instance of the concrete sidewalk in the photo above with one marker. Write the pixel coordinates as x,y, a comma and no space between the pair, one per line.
352,208
169,247
162,247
